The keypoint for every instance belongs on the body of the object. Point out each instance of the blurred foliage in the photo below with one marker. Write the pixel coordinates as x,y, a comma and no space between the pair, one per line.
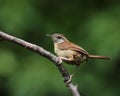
92,24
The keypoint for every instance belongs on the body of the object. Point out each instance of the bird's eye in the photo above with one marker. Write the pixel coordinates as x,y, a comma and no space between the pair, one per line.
59,37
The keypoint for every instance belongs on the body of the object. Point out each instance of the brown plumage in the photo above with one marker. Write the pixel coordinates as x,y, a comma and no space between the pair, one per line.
71,53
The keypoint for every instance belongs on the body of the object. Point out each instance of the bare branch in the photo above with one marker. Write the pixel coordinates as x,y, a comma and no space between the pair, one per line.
73,89
44,53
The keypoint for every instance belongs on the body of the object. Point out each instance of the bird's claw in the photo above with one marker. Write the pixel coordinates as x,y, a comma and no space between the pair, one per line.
60,60
57,60
70,79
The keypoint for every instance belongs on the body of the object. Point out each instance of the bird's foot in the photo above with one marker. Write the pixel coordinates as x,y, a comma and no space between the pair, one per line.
60,60
70,79
57,60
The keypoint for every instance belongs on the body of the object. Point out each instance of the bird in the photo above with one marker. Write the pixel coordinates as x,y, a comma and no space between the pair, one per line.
71,53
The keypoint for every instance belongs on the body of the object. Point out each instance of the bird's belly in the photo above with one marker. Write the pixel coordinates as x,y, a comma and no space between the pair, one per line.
65,53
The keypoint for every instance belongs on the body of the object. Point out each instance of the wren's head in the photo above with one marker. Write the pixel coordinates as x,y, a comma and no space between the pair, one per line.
58,38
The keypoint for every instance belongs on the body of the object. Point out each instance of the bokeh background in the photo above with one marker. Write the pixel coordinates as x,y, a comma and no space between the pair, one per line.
92,24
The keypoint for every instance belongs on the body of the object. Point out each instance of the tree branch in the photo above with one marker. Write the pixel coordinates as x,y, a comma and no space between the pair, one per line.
44,53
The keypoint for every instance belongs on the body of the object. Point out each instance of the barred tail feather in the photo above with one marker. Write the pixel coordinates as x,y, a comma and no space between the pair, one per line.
99,57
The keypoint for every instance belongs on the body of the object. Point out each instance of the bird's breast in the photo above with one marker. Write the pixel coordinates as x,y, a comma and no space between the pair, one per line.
63,53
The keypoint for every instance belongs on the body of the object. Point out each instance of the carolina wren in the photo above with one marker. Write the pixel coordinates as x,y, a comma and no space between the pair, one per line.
69,52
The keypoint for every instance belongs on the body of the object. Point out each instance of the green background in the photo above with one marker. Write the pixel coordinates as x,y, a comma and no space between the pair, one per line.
92,24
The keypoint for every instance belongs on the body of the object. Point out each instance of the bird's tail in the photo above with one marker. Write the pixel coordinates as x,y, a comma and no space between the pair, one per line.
99,57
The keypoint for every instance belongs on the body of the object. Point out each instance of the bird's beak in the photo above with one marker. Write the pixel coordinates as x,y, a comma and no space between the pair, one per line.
49,35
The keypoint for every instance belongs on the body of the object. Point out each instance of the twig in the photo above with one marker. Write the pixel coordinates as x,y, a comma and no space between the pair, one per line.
50,56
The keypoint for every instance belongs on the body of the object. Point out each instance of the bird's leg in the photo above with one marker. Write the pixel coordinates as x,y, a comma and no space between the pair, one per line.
60,59
71,76
67,59
75,70
70,58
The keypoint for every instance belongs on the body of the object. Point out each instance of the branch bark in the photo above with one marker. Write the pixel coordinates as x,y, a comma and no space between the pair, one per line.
39,50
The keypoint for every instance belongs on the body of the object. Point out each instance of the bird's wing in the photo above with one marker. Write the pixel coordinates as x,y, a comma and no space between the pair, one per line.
71,46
